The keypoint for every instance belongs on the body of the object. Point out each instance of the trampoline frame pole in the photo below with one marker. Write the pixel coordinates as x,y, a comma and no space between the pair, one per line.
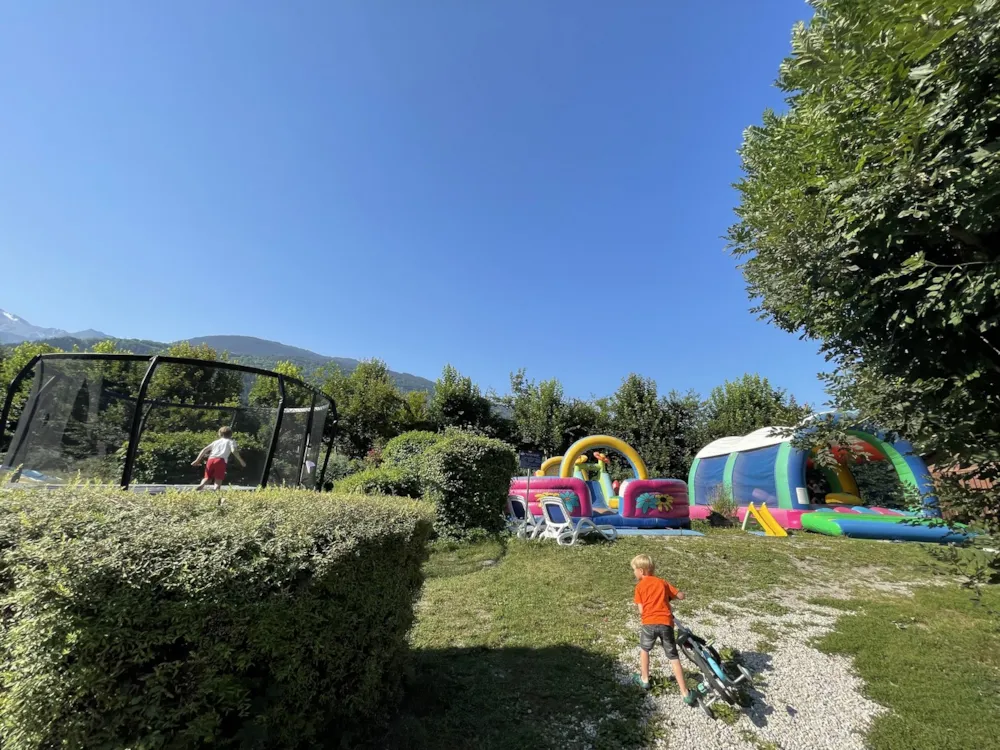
276,434
305,439
8,402
321,478
15,385
134,430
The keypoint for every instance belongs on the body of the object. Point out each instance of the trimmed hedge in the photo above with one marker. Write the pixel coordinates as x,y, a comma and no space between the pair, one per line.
408,448
401,481
278,620
468,478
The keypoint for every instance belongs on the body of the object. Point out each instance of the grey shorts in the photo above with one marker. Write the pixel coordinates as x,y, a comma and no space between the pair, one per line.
648,635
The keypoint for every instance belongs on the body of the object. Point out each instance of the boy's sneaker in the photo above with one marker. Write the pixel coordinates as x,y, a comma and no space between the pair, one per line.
691,698
637,680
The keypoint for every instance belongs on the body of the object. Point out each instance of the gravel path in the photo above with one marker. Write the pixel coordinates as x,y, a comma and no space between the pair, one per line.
802,698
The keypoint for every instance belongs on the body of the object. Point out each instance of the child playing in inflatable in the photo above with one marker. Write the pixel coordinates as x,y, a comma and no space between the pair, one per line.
653,595
218,453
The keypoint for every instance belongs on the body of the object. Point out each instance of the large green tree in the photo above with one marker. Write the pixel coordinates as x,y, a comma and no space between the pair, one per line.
538,411
458,402
368,405
741,406
264,391
870,213
663,429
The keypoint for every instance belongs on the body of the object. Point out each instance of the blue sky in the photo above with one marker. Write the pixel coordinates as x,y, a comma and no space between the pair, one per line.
493,184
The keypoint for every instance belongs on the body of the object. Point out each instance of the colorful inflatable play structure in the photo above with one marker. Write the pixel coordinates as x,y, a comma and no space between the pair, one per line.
765,468
581,479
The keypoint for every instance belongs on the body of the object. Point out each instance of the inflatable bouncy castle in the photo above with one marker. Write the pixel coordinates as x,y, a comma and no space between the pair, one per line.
766,467
581,479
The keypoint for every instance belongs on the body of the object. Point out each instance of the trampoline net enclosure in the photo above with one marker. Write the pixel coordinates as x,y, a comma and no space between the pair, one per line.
142,420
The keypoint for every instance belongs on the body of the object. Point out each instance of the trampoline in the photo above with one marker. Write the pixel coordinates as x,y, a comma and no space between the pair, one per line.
140,420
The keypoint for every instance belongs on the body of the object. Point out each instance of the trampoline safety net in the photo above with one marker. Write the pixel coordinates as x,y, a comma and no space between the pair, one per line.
139,420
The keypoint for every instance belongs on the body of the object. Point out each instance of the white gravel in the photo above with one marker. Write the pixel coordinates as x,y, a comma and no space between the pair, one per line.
802,698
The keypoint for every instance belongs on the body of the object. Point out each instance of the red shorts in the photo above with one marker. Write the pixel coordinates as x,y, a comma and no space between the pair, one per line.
215,470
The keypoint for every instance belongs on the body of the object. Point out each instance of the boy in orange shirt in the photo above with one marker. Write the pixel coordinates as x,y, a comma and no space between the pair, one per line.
653,596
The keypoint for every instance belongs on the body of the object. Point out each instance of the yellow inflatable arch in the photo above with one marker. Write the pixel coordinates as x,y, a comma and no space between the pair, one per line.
550,467
600,441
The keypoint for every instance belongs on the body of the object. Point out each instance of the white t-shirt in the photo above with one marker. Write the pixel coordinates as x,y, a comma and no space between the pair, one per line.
222,448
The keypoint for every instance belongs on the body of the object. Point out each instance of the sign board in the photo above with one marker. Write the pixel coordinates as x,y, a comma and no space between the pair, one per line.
530,460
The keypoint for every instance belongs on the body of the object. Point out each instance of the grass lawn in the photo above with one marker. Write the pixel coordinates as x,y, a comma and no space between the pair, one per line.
518,644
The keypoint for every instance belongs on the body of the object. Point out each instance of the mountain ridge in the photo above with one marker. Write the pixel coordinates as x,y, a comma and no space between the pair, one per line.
249,350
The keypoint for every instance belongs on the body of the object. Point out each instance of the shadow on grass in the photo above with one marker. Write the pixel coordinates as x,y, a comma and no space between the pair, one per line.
452,559
517,698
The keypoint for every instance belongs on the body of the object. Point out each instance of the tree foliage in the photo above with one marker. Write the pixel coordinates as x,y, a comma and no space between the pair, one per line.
663,429
368,404
870,213
193,384
538,413
264,391
15,361
741,406
458,402
415,412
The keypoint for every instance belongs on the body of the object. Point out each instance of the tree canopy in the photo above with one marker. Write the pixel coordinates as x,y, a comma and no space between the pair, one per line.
458,402
368,405
870,212
741,406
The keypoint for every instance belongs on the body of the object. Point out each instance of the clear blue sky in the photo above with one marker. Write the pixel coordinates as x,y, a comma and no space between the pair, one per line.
538,183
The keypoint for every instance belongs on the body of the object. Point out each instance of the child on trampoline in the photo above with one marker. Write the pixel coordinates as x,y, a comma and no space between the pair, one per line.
653,595
218,452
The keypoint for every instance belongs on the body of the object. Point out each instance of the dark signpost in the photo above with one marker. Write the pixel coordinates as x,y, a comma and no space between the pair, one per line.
532,461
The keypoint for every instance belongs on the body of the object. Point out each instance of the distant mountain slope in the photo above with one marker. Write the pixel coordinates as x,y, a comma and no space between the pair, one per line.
263,353
246,350
14,329
90,335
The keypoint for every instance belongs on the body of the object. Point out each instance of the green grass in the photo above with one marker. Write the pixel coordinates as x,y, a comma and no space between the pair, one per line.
517,645
934,659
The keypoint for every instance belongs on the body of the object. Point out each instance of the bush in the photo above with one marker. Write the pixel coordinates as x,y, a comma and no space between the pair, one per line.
401,481
722,503
340,466
410,447
278,620
165,458
468,478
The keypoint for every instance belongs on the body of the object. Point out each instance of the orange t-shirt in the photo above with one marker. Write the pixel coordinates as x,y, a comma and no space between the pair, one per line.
654,594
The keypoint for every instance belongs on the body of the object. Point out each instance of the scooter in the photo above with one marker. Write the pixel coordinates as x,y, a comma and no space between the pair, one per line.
717,683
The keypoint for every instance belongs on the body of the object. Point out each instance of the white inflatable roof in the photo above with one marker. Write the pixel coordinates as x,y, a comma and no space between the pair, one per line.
764,437
761,438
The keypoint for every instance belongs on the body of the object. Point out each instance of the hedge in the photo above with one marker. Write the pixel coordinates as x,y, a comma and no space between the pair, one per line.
408,448
400,481
277,620
468,478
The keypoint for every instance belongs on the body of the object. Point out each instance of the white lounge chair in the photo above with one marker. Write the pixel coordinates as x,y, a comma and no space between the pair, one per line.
520,521
565,529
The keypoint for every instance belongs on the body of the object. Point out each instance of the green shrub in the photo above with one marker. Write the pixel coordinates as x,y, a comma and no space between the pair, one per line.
408,448
400,481
722,502
165,458
340,466
278,620
468,478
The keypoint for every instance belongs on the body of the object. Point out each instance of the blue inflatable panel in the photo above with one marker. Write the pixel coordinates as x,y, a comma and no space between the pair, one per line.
614,519
904,532
658,532
596,494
